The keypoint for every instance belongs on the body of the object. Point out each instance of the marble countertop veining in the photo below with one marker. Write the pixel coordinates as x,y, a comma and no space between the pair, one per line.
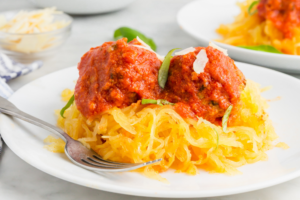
157,18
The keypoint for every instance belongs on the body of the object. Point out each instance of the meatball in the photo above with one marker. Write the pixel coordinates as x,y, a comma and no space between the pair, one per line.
207,94
116,74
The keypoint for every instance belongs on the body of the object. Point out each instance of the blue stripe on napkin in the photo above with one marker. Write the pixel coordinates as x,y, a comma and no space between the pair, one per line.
10,69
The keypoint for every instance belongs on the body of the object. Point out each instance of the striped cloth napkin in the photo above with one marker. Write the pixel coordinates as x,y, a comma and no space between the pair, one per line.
10,69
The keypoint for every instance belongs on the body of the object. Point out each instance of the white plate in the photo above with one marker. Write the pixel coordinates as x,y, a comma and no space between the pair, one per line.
201,18
42,96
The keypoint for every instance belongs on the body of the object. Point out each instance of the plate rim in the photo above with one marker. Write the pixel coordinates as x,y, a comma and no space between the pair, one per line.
143,192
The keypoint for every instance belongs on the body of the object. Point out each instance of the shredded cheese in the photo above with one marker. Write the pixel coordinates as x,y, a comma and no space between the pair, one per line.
211,44
30,22
143,43
200,62
185,51
37,21
161,58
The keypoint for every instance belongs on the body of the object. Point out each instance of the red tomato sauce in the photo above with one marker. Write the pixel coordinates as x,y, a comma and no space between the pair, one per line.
115,74
119,74
207,94
285,14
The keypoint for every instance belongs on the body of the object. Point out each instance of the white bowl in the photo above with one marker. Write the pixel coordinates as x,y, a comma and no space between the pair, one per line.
83,6
51,40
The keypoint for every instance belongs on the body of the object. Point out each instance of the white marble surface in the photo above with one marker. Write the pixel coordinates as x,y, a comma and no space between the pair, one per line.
156,18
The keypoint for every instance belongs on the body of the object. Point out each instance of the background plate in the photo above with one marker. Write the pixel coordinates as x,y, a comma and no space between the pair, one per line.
41,97
201,18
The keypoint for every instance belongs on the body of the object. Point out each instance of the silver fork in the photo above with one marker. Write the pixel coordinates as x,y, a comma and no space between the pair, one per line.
76,152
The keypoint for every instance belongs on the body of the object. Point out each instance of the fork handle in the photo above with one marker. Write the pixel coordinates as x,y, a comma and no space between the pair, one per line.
15,112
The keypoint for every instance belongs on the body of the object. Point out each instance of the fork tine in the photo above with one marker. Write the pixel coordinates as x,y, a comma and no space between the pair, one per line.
102,165
114,163
108,161
94,164
98,167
